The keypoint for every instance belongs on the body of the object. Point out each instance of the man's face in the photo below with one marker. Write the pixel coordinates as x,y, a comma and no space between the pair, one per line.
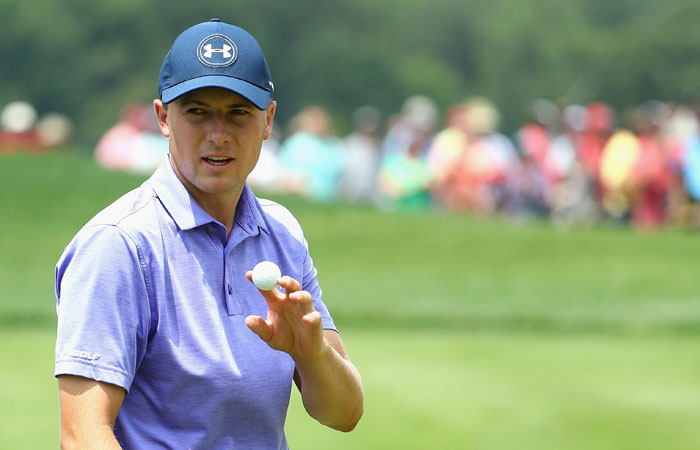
215,139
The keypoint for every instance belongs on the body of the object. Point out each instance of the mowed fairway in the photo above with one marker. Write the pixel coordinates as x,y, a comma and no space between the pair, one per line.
469,333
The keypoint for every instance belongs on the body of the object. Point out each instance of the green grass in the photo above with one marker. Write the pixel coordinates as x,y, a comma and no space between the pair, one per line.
453,389
469,332
29,395
435,389
45,200
488,273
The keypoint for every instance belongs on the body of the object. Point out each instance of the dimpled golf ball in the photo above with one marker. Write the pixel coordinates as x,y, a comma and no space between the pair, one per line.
265,275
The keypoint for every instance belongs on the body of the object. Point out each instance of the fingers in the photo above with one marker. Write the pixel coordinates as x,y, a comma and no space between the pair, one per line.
312,318
292,291
289,284
302,297
259,326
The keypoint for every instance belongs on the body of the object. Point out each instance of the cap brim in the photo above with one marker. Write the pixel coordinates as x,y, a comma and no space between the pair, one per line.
257,96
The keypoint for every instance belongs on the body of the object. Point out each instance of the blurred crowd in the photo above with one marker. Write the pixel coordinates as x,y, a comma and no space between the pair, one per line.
21,128
573,164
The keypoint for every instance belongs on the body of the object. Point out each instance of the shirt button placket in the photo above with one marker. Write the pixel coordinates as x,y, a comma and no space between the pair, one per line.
232,305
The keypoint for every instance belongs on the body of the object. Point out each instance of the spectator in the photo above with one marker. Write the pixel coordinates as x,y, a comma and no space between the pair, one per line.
619,156
412,130
478,179
691,177
18,133
651,175
55,130
573,162
526,190
534,138
134,144
600,119
447,147
404,178
311,156
679,139
358,181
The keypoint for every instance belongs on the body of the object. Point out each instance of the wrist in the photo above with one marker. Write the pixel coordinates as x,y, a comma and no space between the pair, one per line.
314,359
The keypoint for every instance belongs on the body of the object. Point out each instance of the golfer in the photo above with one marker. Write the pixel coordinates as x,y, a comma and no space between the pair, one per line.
163,341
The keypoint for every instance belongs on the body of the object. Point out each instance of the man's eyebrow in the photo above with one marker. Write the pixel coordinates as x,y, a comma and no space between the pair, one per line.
241,103
191,99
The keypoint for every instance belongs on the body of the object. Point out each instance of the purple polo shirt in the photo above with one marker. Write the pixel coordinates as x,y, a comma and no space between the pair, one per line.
152,297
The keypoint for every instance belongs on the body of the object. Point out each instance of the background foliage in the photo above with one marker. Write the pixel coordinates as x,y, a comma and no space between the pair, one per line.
88,58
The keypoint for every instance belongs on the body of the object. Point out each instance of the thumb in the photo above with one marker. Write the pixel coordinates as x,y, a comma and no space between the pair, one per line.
259,326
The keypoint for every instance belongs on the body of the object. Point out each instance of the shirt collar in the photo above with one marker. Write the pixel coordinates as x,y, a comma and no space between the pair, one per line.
187,213
249,215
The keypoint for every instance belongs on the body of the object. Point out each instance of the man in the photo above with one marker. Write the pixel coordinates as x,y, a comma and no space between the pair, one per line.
162,342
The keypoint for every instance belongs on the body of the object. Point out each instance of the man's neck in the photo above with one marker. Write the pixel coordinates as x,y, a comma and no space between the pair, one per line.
221,207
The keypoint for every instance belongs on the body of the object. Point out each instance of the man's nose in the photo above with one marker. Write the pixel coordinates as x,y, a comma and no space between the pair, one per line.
219,132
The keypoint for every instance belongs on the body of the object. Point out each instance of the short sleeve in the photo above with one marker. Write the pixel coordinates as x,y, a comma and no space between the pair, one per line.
310,284
103,308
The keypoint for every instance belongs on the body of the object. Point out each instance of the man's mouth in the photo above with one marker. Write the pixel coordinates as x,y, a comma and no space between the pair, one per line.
217,160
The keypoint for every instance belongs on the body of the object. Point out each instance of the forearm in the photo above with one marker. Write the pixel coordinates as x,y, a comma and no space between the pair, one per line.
88,412
330,384
97,437
331,389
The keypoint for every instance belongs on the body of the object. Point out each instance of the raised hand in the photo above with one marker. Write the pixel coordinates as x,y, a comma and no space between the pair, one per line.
293,325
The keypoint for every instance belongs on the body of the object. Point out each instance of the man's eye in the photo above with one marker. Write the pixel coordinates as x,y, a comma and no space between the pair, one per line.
238,112
195,111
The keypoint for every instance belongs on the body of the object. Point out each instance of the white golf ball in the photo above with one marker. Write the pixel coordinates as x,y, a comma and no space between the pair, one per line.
265,275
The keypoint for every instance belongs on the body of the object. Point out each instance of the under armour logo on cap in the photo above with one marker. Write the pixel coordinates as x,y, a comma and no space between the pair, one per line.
217,50
209,51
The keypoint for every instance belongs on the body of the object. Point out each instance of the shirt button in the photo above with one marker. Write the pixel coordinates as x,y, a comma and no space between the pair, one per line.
230,289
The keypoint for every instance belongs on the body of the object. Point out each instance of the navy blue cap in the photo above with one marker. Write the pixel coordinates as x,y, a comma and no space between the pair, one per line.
216,54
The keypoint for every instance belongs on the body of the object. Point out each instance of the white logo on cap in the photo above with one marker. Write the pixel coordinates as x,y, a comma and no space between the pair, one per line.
217,50
209,51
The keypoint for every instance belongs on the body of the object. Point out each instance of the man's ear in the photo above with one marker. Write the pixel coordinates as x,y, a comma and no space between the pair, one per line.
162,116
270,116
